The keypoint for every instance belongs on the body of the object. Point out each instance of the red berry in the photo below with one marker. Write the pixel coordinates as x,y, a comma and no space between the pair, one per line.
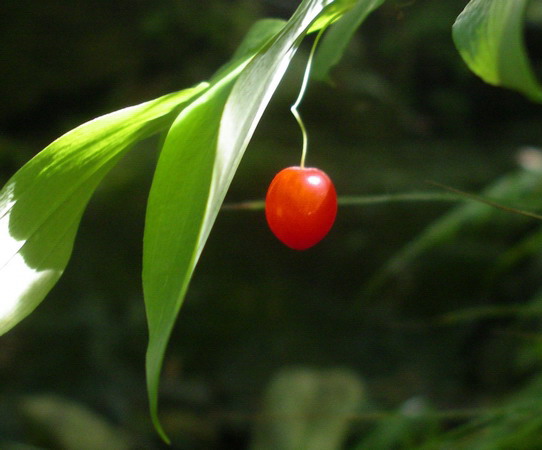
300,206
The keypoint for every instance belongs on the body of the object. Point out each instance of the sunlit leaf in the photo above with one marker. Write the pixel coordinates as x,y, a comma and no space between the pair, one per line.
261,32
489,37
332,12
42,204
196,166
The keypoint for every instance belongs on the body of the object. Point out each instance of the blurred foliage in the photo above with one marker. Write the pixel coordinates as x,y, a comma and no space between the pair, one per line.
448,348
307,409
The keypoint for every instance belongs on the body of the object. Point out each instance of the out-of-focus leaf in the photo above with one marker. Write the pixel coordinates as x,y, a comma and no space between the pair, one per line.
489,37
517,253
516,424
522,187
402,428
42,204
308,409
337,38
196,165
71,425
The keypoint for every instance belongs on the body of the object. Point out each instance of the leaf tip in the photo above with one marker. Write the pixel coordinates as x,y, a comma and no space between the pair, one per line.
159,429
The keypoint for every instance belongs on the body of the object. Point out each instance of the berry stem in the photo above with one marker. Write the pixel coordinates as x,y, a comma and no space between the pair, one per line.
304,84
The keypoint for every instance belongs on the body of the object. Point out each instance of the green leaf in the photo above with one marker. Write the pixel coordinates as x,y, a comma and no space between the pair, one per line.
259,34
42,204
333,11
196,165
175,212
337,38
295,394
489,37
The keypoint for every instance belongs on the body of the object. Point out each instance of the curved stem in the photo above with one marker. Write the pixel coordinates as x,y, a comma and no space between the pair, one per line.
304,84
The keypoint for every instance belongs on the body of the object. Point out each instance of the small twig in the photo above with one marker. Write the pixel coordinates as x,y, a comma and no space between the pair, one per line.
485,201
255,205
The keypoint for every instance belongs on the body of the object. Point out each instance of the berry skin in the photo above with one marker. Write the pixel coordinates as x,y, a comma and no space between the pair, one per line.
300,206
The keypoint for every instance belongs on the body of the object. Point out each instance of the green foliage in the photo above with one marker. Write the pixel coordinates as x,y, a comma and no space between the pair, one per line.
66,424
403,429
523,187
489,36
207,129
308,409
42,204
338,37
199,158
518,424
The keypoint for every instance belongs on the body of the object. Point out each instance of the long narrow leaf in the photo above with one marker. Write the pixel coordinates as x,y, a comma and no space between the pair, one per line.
175,212
42,204
197,163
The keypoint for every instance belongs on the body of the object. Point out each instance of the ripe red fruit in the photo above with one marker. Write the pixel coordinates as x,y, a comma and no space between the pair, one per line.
300,206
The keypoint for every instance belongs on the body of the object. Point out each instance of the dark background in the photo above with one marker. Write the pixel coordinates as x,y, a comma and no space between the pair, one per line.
402,109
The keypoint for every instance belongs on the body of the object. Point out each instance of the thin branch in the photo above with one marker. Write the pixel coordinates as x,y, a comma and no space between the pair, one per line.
486,201
256,205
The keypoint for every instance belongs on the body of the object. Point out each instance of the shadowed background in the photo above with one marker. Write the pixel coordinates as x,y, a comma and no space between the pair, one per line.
261,322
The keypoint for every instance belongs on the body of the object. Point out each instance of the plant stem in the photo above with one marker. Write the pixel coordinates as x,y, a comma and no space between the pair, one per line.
363,200
304,84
